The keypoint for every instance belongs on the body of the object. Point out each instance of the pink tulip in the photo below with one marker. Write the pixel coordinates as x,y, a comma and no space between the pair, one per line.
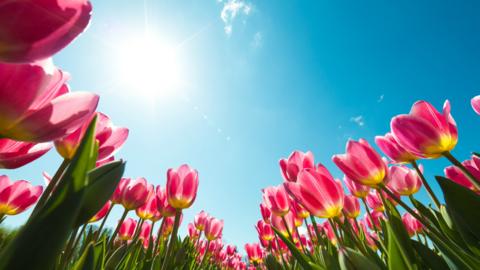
425,131
127,229
295,163
351,206
266,213
15,154
167,226
193,232
362,163
135,193
145,231
377,216
412,225
32,30
310,183
17,196
403,180
149,209
200,220
374,201
456,175
393,149
476,104
231,250
109,137
356,189
328,230
165,209
100,163
101,213
254,253
213,228
118,193
300,211
276,199
280,225
182,185
35,103
265,231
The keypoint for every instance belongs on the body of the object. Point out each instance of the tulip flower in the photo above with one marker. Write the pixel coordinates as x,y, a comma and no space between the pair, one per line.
374,201
213,228
356,189
118,193
167,226
200,220
403,180
394,150
285,224
425,131
351,206
109,137
149,209
254,253
15,154
266,213
193,232
310,184
32,30
17,196
362,164
455,174
145,231
328,230
182,185
412,225
376,216
300,211
35,103
165,209
127,229
276,199
101,213
476,104
135,193
295,163
231,250
265,231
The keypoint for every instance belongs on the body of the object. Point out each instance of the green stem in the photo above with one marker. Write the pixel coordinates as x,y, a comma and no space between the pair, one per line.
103,223
334,229
66,252
426,185
173,237
458,164
112,238
53,183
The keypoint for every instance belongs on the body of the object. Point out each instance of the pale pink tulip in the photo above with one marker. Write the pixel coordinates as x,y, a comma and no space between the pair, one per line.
15,154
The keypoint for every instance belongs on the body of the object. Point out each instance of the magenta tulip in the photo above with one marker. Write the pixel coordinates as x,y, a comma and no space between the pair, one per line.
356,189
35,103
213,228
193,232
15,154
149,209
394,150
412,225
31,30
455,174
266,213
127,229
254,253
165,209
265,231
145,231
286,228
231,250
182,185
109,137
118,193
276,199
376,216
374,201
135,193
425,131
295,163
361,163
200,220
476,104
403,180
17,196
351,206
318,192
101,213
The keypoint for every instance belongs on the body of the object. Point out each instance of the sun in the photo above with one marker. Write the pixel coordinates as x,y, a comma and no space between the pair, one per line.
148,66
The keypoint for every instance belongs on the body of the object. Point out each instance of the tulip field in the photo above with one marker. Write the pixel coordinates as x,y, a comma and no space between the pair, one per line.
370,219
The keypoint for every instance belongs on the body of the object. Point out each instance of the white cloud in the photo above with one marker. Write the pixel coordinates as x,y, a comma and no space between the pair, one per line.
358,120
257,40
232,9
380,98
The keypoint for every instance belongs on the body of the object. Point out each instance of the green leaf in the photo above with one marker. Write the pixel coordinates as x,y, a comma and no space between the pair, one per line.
431,259
116,258
92,257
300,257
272,263
350,259
102,183
45,233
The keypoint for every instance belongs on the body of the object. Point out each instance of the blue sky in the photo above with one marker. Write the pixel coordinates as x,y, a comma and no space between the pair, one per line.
288,76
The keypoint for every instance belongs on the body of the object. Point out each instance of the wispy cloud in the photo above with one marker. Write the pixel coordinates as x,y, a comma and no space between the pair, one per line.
231,10
257,41
380,98
358,120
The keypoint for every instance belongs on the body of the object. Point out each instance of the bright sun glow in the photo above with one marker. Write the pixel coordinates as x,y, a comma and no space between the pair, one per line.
148,66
